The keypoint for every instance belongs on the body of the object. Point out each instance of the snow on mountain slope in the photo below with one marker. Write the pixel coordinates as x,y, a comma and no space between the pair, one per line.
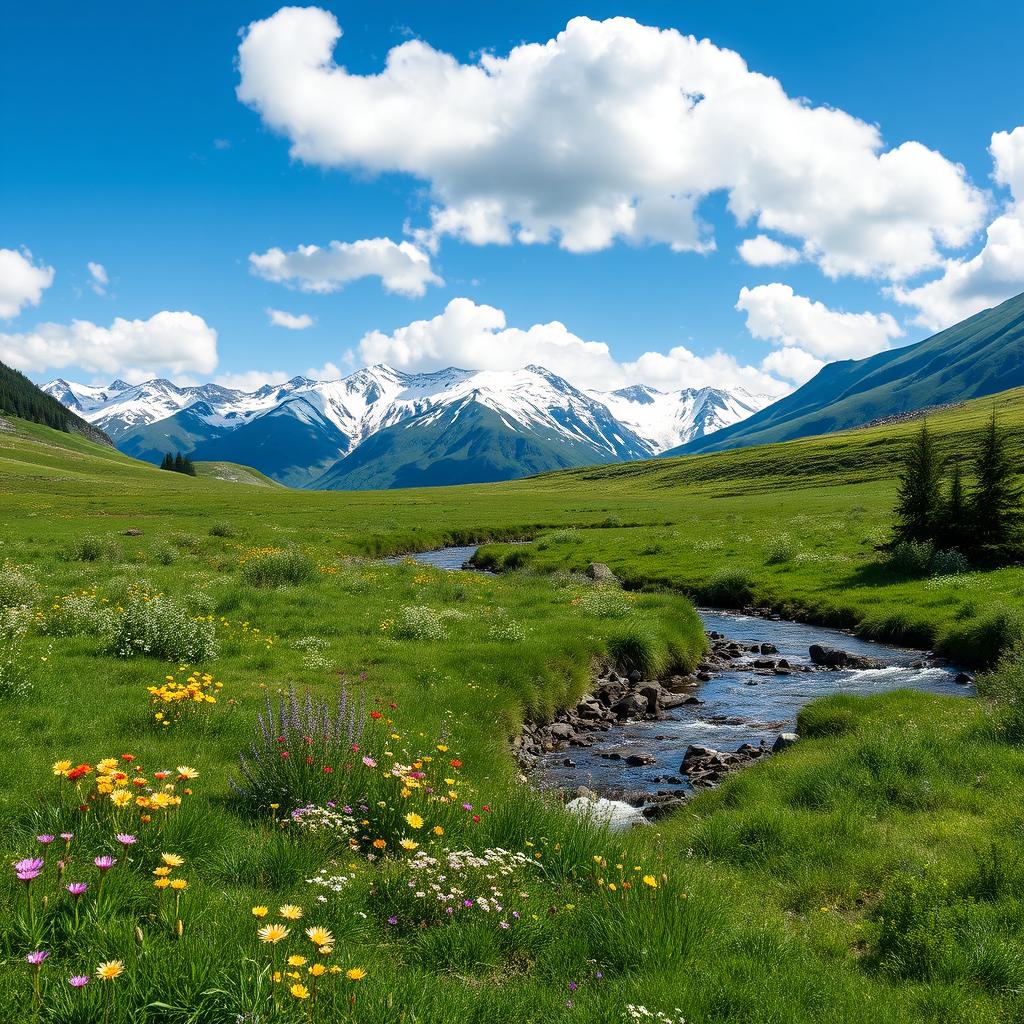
633,423
667,419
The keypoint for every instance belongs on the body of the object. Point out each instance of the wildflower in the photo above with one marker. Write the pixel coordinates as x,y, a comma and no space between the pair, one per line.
45,840
121,798
104,863
320,936
650,881
369,762
37,957
299,991
355,974
414,820
437,830
110,969
161,883
376,714
184,772
78,980
392,920
317,969
296,961
67,836
28,869
290,912
455,763
442,747
124,839
172,859
78,772
273,933
76,888
379,844
179,883
61,767
408,844
260,911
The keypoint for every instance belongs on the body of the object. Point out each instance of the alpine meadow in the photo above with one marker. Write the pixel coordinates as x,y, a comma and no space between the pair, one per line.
511,516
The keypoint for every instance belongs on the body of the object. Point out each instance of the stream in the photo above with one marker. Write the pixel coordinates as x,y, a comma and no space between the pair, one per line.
736,706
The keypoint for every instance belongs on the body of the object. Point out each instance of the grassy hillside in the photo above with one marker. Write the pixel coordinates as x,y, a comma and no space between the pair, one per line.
233,473
982,355
870,874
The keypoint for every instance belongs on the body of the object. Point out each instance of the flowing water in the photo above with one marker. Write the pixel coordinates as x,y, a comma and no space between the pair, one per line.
737,706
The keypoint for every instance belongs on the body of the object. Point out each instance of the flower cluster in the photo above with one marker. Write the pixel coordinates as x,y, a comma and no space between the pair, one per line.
621,879
641,1015
119,785
185,693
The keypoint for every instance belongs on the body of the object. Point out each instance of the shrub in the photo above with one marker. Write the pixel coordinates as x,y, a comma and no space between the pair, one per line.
164,553
729,588
95,549
222,528
949,563
81,615
17,588
1004,687
184,541
983,639
911,558
781,549
418,622
160,627
274,568
14,673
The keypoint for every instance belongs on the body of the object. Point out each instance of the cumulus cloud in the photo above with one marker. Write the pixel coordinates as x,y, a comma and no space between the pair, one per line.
477,337
100,280
22,282
809,332
611,130
175,342
763,251
401,266
293,321
996,272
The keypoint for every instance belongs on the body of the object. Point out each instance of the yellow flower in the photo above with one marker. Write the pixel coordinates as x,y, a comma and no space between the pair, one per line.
320,936
172,859
651,881
105,767
317,969
61,767
121,798
442,747
296,961
299,991
290,912
110,969
355,974
379,844
408,844
437,830
160,872
325,950
414,820
260,911
184,772
273,933
161,883
179,883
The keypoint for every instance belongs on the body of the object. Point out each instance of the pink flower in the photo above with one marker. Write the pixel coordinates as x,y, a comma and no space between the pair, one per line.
36,958
369,762
27,876
124,839
105,863
78,980
67,836
45,840
77,888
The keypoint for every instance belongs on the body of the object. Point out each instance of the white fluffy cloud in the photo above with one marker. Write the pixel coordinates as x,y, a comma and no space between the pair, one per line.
22,282
475,337
175,342
611,130
293,321
809,332
401,266
997,271
100,280
763,251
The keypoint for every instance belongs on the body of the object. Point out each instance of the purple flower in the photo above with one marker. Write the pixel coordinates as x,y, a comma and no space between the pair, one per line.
503,924
392,920
467,807
467,903
449,910
369,762
124,839
29,864
78,980
77,888
36,958
67,836
105,863
515,914
347,810
598,975
573,986
45,840
28,876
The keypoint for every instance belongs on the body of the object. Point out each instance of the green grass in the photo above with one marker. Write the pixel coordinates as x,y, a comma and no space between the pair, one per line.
871,873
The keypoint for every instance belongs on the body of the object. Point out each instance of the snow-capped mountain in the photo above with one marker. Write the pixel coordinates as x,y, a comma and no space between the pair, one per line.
486,424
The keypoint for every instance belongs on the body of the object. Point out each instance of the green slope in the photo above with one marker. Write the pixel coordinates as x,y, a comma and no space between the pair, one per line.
980,356
464,444
234,473
20,397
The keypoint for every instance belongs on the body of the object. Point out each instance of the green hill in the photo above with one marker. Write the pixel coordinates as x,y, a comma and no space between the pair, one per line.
982,355
20,397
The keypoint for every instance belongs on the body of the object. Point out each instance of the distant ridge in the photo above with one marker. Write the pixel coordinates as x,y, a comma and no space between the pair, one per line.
20,397
980,356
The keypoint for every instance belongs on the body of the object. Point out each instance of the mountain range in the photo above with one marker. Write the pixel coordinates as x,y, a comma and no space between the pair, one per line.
979,356
380,427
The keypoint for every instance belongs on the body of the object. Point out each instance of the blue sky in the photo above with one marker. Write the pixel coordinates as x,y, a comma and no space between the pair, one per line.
127,146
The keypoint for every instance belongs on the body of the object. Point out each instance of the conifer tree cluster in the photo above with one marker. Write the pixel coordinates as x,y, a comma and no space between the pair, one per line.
984,520
178,464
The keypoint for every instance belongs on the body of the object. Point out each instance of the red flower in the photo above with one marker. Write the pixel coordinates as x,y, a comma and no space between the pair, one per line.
284,753
355,748
309,760
127,757
280,739
393,706
456,763
476,819
77,773
487,808
376,714
328,769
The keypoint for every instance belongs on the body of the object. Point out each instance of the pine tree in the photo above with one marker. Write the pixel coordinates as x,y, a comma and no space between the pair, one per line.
995,505
189,467
919,497
179,463
168,462
955,528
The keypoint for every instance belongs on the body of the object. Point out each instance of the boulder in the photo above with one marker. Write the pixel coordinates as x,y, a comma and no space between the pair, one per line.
630,706
600,572
616,814
963,679
783,740
829,657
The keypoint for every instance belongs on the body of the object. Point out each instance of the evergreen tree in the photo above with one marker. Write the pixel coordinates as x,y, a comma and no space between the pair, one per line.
995,504
189,467
168,462
956,530
179,463
919,497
